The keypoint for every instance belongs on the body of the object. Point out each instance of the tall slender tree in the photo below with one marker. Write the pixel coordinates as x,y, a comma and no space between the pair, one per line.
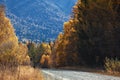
8,40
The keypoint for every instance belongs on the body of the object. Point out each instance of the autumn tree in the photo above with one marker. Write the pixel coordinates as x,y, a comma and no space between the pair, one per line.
66,47
8,40
45,60
54,49
58,55
39,54
99,24
22,55
91,34
11,53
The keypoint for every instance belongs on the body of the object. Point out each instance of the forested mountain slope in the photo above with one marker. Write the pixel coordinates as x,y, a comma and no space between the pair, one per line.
38,20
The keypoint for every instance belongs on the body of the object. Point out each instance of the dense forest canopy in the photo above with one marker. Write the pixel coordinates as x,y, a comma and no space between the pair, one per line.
91,34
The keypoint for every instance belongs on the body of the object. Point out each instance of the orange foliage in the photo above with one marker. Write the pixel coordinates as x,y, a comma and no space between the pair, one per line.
45,61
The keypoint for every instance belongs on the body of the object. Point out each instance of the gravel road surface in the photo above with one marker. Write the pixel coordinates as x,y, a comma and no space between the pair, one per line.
50,74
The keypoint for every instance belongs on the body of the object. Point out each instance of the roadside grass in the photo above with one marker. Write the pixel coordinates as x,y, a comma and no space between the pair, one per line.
20,73
112,66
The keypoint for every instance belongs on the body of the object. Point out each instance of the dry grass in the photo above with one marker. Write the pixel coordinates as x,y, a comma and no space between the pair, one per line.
21,73
112,66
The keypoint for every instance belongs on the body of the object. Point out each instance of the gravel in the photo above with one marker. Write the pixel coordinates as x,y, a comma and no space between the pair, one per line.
50,74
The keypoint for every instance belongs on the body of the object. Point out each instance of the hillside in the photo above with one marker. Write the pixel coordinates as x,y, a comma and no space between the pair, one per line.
38,20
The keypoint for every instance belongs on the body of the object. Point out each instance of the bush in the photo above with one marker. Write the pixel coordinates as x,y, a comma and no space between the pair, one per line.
112,65
21,73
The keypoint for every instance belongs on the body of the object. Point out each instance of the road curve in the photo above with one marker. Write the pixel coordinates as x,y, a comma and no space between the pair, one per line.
50,74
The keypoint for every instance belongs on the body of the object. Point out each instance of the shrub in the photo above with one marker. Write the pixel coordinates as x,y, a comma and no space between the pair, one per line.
112,65
21,73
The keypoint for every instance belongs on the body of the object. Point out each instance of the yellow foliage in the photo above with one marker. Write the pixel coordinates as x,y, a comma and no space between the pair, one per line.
23,54
47,48
72,30
66,42
10,51
42,59
45,60
60,36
